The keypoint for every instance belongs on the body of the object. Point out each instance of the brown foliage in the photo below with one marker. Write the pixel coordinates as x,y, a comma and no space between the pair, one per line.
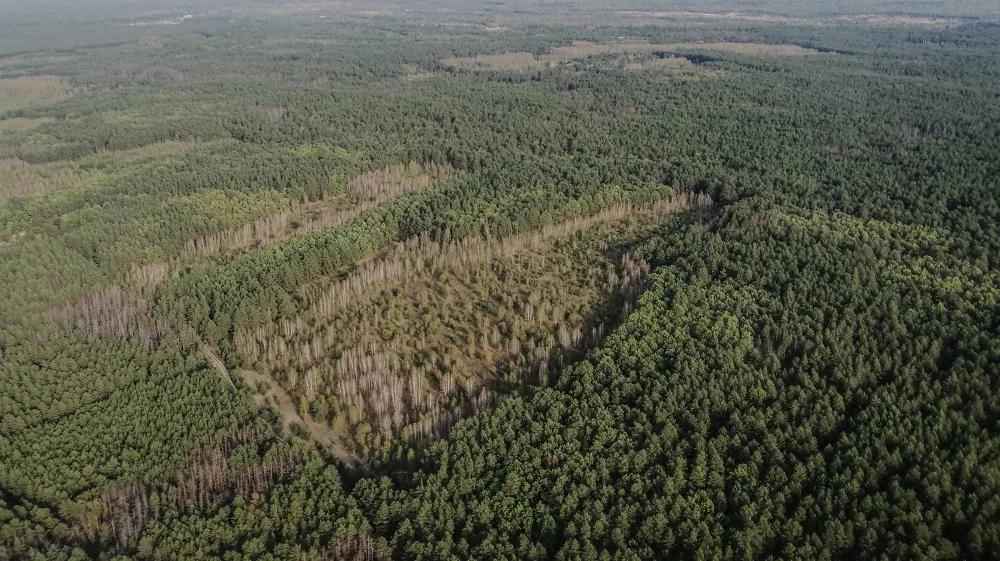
124,511
355,548
124,312
412,341
575,50
20,179
753,49
206,477
16,93
111,312
363,193
512,61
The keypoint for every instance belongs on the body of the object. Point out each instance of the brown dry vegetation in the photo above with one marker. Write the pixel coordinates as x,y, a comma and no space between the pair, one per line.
414,340
21,124
558,55
899,20
21,179
667,64
207,475
362,194
412,73
123,311
644,15
752,49
419,337
269,393
647,17
17,93
583,49
502,61
149,152
111,312
34,59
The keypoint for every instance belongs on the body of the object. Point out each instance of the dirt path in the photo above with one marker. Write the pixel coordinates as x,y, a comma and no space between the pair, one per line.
321,434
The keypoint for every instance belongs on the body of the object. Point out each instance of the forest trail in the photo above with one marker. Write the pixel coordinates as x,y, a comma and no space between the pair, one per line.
323,435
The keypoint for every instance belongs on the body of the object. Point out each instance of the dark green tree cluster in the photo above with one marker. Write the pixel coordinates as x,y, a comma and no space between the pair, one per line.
815,402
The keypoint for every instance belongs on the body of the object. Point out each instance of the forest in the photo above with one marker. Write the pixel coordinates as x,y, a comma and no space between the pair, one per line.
379,280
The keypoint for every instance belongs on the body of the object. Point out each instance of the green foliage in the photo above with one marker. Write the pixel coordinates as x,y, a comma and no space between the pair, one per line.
795,403
308,518
810,374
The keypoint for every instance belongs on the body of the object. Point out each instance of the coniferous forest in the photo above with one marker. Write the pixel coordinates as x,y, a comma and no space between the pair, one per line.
376,280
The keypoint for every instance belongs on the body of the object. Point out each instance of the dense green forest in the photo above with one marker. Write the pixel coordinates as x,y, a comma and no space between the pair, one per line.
445,280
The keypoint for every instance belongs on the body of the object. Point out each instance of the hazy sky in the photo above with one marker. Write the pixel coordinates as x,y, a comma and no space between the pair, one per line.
36,12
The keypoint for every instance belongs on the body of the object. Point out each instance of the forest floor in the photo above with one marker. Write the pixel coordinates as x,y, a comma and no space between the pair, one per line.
276,396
